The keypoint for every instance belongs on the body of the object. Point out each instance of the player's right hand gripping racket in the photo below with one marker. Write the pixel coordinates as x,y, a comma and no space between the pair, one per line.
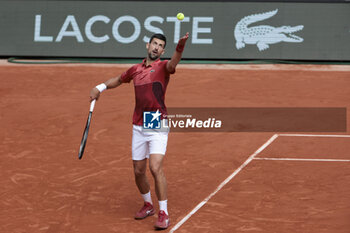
86,131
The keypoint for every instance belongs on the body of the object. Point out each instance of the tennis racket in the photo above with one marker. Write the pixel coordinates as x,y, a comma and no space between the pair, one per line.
86,131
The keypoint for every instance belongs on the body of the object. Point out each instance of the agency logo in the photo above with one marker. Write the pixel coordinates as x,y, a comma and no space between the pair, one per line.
151,120
263,35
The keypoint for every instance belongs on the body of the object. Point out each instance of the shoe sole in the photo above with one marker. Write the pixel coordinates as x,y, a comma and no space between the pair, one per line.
150,214
162,228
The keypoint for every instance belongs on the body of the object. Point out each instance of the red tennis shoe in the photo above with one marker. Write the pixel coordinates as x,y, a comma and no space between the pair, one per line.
163,221
145,211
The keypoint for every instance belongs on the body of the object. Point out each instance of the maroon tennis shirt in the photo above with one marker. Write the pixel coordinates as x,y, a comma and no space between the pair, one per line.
150,83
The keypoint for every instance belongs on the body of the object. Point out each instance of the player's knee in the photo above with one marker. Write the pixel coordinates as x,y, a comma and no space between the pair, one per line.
139,171
155,169
139,168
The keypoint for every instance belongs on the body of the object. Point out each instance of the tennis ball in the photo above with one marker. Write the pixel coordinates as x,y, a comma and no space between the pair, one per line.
180,16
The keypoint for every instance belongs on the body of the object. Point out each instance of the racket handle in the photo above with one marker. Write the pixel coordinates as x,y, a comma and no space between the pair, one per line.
92,105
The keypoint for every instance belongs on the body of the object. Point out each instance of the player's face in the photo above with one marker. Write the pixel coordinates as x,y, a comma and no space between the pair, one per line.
155,49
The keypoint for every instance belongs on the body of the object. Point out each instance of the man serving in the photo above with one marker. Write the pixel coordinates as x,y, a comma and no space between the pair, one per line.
150,79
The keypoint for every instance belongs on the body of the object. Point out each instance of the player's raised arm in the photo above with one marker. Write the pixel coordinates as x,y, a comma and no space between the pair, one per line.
109,84
175,59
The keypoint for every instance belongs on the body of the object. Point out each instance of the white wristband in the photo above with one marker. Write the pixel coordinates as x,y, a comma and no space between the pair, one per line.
101,87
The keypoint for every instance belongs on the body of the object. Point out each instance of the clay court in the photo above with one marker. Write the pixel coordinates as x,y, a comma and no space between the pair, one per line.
217,182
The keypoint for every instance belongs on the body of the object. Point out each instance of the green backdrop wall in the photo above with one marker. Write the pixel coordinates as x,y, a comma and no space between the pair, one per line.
218,30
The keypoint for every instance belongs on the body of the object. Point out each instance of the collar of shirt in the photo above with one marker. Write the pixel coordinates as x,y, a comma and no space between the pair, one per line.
150,65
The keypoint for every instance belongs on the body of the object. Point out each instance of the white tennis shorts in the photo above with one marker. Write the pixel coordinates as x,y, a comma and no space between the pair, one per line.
146,143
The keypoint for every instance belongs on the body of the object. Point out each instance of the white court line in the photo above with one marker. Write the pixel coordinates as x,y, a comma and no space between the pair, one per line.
315,135
251,157
309,160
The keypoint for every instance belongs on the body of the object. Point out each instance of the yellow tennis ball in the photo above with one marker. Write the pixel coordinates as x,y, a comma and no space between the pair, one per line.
180,16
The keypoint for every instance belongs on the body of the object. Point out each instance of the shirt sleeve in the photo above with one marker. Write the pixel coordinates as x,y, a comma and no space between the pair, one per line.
127,76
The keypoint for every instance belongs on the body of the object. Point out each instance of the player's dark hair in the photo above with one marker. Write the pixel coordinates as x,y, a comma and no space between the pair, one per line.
158,36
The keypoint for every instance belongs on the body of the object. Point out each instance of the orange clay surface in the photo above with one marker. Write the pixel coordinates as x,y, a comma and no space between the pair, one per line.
45,188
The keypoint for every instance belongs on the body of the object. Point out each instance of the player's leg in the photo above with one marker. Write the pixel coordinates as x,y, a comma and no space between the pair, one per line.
157,147
140,153
140,175
156,167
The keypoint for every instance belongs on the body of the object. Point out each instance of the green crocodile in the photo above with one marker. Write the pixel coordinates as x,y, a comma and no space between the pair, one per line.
264,35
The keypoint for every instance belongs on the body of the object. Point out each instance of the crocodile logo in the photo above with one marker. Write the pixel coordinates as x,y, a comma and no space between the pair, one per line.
264,35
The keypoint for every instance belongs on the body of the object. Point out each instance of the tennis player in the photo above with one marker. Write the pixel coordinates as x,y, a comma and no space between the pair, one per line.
150,79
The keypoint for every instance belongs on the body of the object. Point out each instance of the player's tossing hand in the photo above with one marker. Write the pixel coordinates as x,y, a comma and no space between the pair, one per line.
182,40
181,44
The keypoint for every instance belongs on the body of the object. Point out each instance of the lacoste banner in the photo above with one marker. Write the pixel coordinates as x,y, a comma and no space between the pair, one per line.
218,30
